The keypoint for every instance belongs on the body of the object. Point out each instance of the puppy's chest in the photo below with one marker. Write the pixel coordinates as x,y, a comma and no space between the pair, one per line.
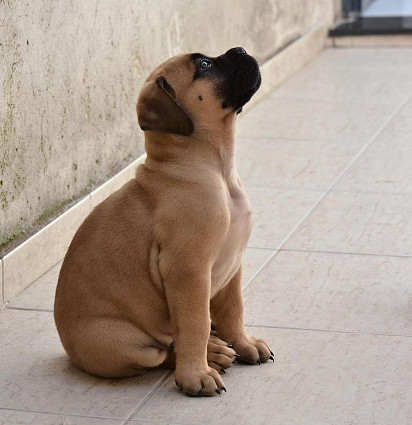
230,255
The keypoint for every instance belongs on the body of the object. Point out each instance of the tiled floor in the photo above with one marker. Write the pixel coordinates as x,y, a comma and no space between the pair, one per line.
327,161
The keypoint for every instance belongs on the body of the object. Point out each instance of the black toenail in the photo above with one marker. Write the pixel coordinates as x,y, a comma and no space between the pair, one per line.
222,371
259,362
230,345
224,389
218,391
272,358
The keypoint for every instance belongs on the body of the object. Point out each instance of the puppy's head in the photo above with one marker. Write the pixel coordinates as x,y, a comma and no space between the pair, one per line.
195,91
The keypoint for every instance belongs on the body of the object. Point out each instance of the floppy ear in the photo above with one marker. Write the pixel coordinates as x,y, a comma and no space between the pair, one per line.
158,110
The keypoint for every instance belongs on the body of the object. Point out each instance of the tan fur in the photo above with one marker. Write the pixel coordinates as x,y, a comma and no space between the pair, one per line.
160,259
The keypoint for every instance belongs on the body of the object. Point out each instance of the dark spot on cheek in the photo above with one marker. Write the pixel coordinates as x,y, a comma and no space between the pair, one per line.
200,97
224,105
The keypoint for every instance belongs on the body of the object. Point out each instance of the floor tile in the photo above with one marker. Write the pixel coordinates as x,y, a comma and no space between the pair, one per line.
15,417
390,59
292,164
276,213
352,293
36,374
355,85
337,122
253,260
367,223
40,294
318,378
386,165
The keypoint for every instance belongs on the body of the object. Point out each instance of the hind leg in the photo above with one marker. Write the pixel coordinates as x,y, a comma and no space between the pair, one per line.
113,349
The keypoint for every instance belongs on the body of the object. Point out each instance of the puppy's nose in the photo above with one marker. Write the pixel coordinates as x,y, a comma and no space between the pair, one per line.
236,51
240,50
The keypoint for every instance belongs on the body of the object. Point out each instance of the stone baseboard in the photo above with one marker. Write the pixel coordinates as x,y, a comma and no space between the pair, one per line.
43,250
372,41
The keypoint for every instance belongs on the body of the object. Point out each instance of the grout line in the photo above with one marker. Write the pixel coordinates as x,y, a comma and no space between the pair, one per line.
327,330
343,253
341,174
307,99
373,192
161,422
262,248
28,309
313,189
309,212
268,188
152,391
280,138
373,138
259,270
76,415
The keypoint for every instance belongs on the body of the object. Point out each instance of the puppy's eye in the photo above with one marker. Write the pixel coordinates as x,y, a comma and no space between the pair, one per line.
204,64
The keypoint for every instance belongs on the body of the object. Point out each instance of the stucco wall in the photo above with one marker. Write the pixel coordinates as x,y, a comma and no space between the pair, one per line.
70,75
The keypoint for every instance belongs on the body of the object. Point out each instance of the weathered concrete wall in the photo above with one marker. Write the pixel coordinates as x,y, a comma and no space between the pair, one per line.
337,5
70,73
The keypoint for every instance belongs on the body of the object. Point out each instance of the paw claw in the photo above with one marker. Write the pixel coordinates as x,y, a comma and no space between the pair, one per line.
218,392
224,389
259,362
272,358
222,371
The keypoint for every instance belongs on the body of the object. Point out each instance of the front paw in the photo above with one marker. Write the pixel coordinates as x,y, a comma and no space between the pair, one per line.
253,350
199,382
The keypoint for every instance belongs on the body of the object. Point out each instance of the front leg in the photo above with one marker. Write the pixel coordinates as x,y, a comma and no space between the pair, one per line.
187,285
226,309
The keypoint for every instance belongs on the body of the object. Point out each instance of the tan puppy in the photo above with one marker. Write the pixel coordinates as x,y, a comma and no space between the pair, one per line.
158,263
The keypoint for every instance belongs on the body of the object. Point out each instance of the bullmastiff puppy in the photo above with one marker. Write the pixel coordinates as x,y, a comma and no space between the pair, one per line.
159,263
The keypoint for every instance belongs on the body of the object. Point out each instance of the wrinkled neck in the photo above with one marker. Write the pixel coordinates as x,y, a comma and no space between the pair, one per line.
205,149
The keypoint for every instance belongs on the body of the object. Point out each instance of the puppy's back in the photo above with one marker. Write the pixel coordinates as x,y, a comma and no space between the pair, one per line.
106,256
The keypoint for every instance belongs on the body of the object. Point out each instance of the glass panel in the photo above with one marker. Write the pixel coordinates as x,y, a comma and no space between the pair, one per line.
386,8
